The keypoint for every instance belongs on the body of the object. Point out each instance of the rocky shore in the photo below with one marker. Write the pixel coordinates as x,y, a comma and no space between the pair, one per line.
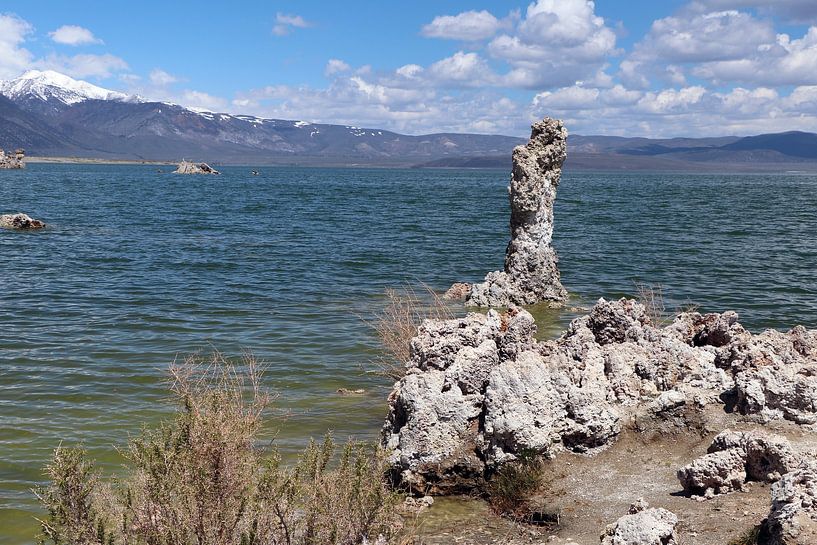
12,161
480,391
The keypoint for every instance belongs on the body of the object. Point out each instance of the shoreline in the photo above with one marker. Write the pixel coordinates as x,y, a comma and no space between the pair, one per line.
93,161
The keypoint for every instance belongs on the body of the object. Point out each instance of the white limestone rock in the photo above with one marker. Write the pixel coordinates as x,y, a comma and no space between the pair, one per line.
531,272
643,525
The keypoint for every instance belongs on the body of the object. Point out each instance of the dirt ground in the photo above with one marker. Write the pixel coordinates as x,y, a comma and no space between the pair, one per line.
590,492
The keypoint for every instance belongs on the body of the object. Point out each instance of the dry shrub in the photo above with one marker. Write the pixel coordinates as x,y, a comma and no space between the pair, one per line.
652,297
397,324
201,479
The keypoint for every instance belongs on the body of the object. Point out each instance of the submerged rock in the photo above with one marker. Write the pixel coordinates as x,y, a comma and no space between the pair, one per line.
186,167
14,160
531,273
643,525
19,221
481,390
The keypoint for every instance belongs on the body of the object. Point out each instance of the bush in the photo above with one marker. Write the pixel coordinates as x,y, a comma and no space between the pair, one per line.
201,479
512,489
397,324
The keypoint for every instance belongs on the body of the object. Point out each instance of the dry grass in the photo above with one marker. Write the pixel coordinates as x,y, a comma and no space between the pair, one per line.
652,297
201,479
397,324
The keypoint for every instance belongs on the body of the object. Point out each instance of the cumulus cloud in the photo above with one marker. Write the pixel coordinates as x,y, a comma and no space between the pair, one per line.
335,66
84,66
556,42
800,11
13,57
161,78
73,35
202,101
284,24
781,62
466,26
717,36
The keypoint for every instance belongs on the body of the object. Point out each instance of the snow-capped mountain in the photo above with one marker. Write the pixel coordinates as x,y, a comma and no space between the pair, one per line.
48,85
52,114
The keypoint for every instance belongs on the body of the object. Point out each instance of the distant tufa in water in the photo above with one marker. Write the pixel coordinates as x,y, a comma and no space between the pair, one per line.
12,161
186,167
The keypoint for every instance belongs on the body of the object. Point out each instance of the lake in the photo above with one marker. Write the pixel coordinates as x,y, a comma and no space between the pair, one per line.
139,267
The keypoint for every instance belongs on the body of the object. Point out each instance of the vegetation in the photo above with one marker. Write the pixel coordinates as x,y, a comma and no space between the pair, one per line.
201,479
652,297
513,488
397,324
750,537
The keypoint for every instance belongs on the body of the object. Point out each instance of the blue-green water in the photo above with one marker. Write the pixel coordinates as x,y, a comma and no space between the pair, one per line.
139,267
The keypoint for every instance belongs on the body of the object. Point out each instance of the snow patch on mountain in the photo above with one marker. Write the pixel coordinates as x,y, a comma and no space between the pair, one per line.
47,85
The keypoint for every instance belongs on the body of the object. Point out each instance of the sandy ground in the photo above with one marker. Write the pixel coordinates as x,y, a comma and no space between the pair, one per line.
592,492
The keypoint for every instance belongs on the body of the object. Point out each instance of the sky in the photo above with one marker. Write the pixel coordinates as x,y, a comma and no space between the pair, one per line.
660,68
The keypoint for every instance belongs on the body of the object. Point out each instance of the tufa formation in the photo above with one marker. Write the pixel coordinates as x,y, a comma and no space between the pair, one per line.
531,273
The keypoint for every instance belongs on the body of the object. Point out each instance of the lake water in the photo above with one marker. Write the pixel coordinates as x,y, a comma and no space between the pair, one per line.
138,268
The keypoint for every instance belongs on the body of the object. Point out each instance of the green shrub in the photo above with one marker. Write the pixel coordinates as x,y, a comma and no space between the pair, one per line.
201,479
512,488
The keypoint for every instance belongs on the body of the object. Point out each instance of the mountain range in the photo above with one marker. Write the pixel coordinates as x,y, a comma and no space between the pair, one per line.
51,114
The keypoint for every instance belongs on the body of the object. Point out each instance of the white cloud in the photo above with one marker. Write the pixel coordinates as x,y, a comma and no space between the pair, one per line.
466,69
285,23
781,62
800,11
13,57
556,43
202,100
335,66
83,66
73,35
466,26
161,78
717,36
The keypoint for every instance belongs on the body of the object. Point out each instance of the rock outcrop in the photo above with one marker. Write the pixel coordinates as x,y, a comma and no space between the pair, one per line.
19,221
531,273
735,458
793,516
186,167
480,390
14,160
643,525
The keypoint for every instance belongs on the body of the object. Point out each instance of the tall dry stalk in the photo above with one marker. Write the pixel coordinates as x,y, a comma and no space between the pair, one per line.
397,324
652,297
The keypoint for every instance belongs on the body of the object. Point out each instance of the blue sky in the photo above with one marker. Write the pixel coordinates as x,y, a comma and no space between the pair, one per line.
650,68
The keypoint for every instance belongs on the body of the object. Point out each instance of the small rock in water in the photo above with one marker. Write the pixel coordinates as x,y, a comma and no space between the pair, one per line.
458,291
348,392
20,221
186,167
417,505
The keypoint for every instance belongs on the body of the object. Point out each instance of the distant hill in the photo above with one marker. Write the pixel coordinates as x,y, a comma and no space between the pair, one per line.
51,114
70,117
795,151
